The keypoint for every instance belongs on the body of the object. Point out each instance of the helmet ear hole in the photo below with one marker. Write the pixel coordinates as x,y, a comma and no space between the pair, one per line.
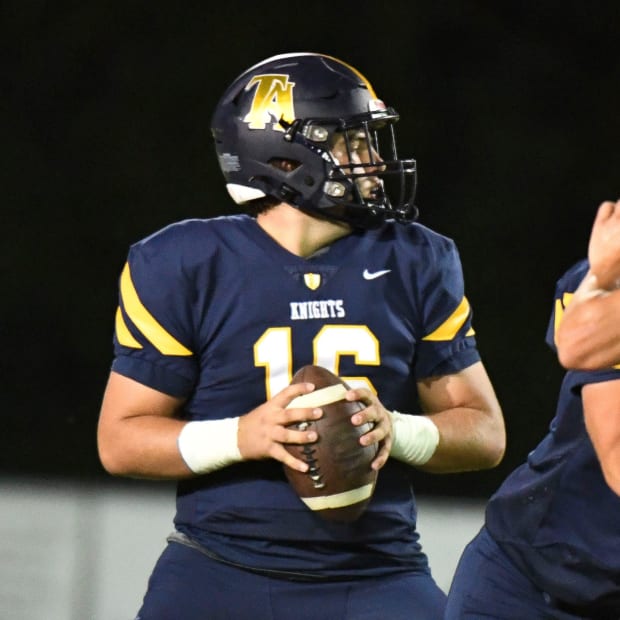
286,165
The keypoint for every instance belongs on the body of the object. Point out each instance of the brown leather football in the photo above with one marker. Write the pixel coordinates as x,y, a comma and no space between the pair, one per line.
339,482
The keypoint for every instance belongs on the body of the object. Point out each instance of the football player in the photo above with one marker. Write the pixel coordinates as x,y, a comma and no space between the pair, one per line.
326,267
550,544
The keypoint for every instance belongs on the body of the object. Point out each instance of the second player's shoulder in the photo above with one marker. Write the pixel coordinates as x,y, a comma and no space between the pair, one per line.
572,277
565,287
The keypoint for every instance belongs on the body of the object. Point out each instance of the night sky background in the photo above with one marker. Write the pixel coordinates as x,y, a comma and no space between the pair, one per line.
511,110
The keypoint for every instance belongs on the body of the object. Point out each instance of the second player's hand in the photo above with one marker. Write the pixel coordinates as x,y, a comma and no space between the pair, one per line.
263,431
379,417
604,246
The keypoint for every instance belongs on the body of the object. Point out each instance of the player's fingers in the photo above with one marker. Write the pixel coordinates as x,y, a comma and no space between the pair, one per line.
281,454
363,395
285,396
373,414
298,433
382,456
377,433
605,211
300,414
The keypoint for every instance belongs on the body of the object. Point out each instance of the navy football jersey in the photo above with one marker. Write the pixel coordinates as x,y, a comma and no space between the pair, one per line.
555,515
216,312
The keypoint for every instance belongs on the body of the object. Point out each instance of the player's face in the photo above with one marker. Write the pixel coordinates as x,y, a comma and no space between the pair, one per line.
354,148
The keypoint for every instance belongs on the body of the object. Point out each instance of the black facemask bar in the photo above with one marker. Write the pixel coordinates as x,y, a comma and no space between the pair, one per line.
346,191
382,187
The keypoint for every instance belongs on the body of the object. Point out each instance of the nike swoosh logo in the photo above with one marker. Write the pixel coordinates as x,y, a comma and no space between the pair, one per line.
371,275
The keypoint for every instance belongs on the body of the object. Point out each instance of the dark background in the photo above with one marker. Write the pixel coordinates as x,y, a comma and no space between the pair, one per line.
510,109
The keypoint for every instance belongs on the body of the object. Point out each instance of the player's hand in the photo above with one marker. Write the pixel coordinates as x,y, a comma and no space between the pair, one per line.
264,430
604,245
378,416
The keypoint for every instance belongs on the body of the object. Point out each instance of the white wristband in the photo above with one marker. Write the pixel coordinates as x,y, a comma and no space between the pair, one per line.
209,444
415,438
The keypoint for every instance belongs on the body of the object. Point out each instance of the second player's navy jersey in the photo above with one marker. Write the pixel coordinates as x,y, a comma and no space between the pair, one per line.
555,516
216,312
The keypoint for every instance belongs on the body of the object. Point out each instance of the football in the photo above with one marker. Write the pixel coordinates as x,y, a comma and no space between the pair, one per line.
339,482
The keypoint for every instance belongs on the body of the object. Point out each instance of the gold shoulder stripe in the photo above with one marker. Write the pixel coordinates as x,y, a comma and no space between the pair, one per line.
449,328
122,332
145,321
560,306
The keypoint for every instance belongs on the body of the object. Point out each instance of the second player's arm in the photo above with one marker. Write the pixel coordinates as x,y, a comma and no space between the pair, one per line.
601,406
588,336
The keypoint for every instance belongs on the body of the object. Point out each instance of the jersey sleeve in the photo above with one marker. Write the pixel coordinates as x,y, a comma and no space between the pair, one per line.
564,291
448,343
153,336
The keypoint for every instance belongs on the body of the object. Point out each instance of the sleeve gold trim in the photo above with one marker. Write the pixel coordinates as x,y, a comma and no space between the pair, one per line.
449,328
122,332
145,321
560,306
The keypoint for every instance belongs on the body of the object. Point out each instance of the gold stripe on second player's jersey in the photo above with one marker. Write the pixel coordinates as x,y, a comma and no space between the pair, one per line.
560,306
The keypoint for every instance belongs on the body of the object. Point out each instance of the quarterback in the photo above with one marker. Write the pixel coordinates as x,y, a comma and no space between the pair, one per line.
325,266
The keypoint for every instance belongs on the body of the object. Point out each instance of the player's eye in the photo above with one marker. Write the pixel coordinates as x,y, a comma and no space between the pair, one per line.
357,141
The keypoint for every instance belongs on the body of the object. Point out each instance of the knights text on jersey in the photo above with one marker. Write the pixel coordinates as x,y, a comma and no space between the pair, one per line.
216,312
555,515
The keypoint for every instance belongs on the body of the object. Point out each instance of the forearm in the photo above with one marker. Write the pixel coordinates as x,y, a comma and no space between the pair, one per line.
143,447
451,441
601,410
152,447
606,441
604,245
611,471
588,336
469,440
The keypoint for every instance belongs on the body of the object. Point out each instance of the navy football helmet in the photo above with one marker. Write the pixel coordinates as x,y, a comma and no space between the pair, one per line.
322,117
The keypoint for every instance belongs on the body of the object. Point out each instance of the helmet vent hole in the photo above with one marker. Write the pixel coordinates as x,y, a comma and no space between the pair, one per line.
286,165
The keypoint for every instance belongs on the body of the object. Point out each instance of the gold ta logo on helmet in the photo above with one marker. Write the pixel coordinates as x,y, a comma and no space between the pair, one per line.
273,100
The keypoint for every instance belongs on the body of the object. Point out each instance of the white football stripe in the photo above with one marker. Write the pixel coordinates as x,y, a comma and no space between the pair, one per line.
339,500
318,398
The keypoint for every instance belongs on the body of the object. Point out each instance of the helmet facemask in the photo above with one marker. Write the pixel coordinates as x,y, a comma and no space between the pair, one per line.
367,182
